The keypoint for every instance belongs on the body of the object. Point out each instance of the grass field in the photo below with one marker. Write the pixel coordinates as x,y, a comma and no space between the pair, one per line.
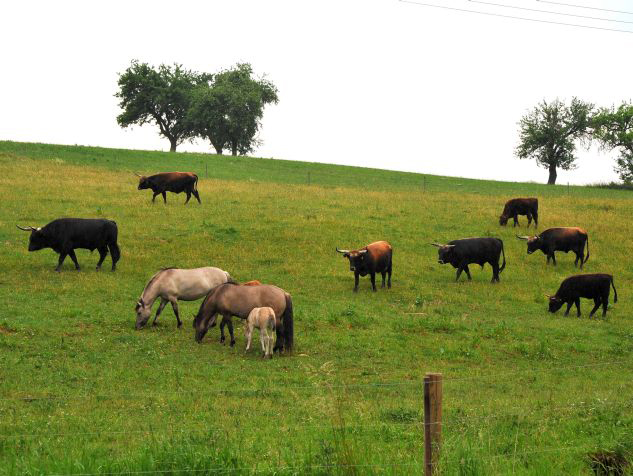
82,392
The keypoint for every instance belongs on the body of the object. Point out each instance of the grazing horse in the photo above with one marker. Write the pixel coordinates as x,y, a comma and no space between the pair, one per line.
262,318
231,299
173,284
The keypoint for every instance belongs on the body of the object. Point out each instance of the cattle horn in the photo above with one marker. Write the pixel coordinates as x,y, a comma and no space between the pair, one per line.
362,252
436,244
341,251
27,228
137,174
523,237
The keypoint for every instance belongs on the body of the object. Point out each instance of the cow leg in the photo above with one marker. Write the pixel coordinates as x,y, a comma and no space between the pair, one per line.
553,258
578,306
535,220
529,219
569,304
596,301
73,257
188,197
389,277
384,275
495,272
372,276
62,257
605,304
459,272
467,271
164,194
576,260
355,281
154,196
103,252
516,220
195,194
174,306
115,254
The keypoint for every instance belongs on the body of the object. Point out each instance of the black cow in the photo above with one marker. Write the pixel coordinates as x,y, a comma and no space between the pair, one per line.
461,253
590,286
175,182
64,235
559,239
373,258
520,206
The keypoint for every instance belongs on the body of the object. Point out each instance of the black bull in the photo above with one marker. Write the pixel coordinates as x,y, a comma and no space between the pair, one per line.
461,253
175,182
65,235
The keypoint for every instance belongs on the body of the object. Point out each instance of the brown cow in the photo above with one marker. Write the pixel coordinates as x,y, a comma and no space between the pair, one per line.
254,282
520,206
559,239
175,182
373,258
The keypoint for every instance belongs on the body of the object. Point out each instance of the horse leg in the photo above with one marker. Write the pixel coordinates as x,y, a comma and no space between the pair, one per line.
163,303
230,323
222,324
263,338
174,305
249,335
279,343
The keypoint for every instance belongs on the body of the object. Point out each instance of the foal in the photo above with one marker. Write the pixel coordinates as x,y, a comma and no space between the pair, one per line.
263,318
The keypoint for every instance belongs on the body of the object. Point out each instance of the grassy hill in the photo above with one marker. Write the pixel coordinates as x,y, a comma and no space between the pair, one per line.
82,392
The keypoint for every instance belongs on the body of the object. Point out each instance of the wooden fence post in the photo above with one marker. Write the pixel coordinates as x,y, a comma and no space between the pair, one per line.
432,422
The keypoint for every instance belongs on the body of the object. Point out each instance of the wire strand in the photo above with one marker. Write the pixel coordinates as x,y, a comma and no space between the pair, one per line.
584,6
548,11
478,12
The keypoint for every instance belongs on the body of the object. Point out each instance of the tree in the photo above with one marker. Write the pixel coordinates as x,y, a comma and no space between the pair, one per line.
549,133
160,96
228,111
614,129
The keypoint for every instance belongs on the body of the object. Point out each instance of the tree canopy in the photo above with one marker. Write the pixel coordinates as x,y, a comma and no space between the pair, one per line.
228,110
224,108
549,134
159,96
613,128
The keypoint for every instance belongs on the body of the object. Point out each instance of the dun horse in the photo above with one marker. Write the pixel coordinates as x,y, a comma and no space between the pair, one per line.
172,285
262,318
230,300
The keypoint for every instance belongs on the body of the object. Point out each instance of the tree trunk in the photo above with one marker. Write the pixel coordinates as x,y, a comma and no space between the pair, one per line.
173,143
234,148
218,148
552,175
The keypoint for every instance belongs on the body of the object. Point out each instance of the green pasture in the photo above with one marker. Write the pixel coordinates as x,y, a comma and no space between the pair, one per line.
83,392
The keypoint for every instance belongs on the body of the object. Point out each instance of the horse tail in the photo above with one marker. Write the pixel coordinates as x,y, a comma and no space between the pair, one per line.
288,324
615,293
504,258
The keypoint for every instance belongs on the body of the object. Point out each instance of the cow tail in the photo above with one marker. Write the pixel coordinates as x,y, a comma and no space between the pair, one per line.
504,257
195,183
587,257
288,324
615,293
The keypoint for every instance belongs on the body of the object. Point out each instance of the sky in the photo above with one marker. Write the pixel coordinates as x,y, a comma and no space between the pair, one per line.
373,83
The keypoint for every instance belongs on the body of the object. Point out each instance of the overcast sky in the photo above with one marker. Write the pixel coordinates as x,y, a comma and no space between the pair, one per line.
377,83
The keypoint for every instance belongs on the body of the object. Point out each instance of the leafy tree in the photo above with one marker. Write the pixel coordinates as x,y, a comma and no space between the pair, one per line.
614,129
549,133
160,96
228,112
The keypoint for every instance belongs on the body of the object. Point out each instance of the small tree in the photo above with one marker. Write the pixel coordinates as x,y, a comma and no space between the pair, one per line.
549,133
160,96
229,110
614,129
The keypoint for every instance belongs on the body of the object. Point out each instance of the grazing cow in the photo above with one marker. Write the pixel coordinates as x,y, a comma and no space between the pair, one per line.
175,182
254,282
590,286
373,258
520,206
64,235
461,253
559,239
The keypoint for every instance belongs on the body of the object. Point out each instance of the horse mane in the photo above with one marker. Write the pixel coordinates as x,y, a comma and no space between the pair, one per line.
153,278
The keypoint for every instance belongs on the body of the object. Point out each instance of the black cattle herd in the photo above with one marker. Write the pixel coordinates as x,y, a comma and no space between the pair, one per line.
64,235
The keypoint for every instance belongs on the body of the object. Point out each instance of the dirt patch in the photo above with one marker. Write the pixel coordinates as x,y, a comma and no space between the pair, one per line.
7,331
